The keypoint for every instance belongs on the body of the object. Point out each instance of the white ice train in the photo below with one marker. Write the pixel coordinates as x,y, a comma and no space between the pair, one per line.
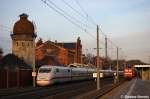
48,75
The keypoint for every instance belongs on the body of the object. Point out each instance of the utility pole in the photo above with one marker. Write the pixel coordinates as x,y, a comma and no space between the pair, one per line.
106,55
81,57
98,72
149,68
117,63
125,62
149,59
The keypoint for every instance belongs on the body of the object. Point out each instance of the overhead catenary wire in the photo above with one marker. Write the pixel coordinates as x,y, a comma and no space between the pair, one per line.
73,20
112,43
107,38
83,10
80,14
94,23
6,28
53,8
65,16
73,9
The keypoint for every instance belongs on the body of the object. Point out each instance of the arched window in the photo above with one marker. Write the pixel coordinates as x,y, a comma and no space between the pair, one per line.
22,43
28,44
17,44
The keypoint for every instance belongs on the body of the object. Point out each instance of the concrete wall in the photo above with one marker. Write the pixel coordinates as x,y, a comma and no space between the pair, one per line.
145,75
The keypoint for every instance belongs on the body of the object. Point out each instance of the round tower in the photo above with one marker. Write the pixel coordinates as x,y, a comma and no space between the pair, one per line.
23,39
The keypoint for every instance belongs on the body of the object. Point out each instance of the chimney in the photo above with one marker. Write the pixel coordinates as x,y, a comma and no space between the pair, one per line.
62,44
23,16
55,41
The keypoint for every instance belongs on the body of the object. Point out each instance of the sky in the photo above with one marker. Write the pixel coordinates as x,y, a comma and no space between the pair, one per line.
125,22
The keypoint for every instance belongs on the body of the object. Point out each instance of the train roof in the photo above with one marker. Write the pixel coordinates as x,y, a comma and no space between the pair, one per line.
61,67
76,65
53,66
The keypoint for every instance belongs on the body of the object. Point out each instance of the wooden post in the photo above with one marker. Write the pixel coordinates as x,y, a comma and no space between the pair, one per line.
7,77
18,77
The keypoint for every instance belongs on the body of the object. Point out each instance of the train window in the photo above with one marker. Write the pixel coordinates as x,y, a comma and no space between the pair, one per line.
68,70
57,70
44,70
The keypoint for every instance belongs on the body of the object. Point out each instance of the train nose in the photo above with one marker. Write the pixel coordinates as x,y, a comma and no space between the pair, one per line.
44,79
42,82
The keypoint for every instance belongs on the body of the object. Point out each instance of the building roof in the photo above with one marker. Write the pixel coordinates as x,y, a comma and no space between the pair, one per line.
141,65
12,61
68,45
23,26
48,60
1,51
46,43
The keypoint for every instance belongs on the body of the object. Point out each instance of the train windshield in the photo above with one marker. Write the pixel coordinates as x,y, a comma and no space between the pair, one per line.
45,70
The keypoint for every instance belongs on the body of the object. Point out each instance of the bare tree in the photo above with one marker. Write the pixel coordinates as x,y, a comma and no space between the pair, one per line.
1,53
89,59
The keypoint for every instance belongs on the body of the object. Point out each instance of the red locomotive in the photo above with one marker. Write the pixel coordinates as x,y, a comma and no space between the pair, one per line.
129,73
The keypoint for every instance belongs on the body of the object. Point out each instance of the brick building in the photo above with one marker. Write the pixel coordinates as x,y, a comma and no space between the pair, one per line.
58,53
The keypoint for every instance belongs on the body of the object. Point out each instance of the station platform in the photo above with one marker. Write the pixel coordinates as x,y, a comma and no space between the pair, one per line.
133,89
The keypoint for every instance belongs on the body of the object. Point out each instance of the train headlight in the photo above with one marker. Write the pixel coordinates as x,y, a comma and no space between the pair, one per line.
130,70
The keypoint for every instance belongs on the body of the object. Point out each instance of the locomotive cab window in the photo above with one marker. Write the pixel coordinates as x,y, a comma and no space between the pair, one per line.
45,70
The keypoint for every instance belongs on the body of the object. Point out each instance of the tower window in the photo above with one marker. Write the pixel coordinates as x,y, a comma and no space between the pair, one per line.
22,43
32,45
28,44
17,44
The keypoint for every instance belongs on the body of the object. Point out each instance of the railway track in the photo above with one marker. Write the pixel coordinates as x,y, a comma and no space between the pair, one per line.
108,90
97,94
62,91
12,91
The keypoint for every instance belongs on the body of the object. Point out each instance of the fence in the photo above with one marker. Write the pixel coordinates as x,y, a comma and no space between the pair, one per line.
15,78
